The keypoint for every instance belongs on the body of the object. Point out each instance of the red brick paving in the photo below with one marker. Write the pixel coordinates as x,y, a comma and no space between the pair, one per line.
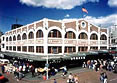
84,77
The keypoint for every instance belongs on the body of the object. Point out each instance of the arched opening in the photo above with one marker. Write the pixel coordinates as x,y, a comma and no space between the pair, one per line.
10,38
19,37
70,35
31,35
94,36
7,39
24,36
54,34
83,36
39,34
14,38
103,37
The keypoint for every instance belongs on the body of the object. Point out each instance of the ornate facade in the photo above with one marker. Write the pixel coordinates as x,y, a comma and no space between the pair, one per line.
53,37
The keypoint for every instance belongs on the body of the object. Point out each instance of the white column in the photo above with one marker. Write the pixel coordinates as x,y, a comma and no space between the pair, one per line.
99,33
34,38
63,34
107,38
77,28
89,36
45,26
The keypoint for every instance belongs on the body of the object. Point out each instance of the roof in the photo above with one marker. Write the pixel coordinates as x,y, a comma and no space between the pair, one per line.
43,57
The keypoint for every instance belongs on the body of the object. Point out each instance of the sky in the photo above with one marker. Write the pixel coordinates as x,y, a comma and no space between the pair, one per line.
100,12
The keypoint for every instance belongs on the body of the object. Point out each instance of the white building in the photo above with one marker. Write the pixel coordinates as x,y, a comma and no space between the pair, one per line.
113,37
53,37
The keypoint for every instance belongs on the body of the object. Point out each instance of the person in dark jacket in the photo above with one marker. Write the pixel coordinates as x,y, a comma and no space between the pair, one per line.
3,69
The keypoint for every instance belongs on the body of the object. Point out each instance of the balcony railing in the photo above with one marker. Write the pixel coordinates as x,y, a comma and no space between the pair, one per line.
93,42
54,41
103,42
39,41
70,41
83,42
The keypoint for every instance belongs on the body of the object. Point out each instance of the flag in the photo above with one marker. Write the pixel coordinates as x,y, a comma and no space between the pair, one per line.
84,10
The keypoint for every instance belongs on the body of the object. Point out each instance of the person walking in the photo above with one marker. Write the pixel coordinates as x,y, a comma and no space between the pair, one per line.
76,80
102,77
105,77
55,81
3,69
32,70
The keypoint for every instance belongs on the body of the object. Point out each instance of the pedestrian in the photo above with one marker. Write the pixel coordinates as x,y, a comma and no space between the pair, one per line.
55,81
70,78
3,69
32,70
102,77
76,80
105,77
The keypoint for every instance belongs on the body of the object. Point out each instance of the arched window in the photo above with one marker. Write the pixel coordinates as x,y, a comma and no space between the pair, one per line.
10,38
7,39
83,36
70,35
31,35
103,37
39,34
24,36
19,37
14,38
54,33
94,37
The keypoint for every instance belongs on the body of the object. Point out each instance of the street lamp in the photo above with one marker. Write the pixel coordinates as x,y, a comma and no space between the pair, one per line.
46,65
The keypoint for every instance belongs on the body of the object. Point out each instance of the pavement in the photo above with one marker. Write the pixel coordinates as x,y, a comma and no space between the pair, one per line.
85,76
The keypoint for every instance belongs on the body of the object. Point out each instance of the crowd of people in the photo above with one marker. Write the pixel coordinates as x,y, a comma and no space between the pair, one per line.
19,69
100,64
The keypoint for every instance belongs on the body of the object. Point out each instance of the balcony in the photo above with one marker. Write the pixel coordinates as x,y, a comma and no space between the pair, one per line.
54,41
93,42
30,41
70,41
103,42
39,41
83,42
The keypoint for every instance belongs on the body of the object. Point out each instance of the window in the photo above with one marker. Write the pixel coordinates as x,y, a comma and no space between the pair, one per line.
10,38
94,37
7,39
103,48
39,49
31,35
14,48
39,34
6,47
55,49
70,35
10,47
24,36
103,37
93,48
3,39
19,37
24,48
81,49
3,45
14,38
54,33
18,48
83,24
31,49
83,36
70,49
